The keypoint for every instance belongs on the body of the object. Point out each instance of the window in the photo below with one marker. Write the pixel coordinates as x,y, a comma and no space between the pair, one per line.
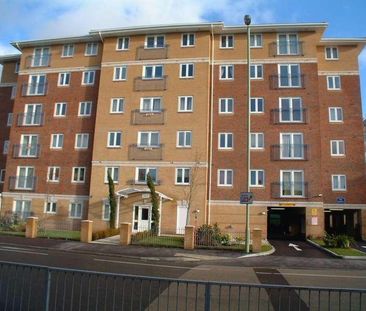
224,178
226,105
292,146
289,75
25,177
57,141
184,139
256,72
13,92
81,141
9,121
149,139
64,79
155,42
41,57
188,39
292,184
185,103
6,147
226,72
78,174
339,183
88,77
17,66
186,70
256,40
53,174
50,207
182,176
68,50
291,109
123,43
257,105
153,72
106,210
256,140
227,41
2,176
331,53
28,146
114,139
120,73
36,85
257,178
85,109
113,172
117,105
226,140
60,109
150,104
287,44
335,114
333,82
337,148
32,115
91,49
22,208
76,210
141,174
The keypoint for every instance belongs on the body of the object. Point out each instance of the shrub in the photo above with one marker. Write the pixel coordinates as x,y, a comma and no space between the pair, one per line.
329,240
226,239
105,233
341,240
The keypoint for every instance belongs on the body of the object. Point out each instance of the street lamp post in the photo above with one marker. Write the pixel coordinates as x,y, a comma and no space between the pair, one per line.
247,21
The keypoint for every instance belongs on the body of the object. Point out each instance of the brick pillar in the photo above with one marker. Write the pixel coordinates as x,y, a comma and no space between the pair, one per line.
256,241
86,231
363,224
189,237
31,227
125,233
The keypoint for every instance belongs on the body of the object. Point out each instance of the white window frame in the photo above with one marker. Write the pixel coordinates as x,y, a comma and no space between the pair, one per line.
9,121
114,172
190,39
45,54
6,146
28,147
292,146
31,176
227,71
155,42
226,102
254,43
52,205
288,44
120,73
81,138
150,101
291,110
225,42
336,110
148,169
149,133
64,79
256,141
117,102
52,171
185,134
115,136
68,50
87,75
256,100
332,80
76,173
185,69
78,205
226,136
339,178
13,92
59,108
105,204
184,171
2,175
256,173
183,101
258,74
225,172
35,116
123,43
333,53
37,83
339,145
290,77
292,195
91,49
87,108
153,76
56,137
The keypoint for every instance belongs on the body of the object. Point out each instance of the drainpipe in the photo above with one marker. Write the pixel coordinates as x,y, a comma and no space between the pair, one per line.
117,212
161,210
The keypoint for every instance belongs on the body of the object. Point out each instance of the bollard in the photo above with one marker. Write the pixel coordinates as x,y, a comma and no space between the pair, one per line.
125,233
31,227
189,237
256,241
86,231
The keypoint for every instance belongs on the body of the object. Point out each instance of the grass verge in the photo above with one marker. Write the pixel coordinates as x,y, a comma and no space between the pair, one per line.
60,234
161,241
340,251
13,233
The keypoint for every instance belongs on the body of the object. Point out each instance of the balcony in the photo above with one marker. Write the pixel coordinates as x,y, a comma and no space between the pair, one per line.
34,89
289,152
287,81
289,190
26,151
145,153
143,53
32,61
143,183
157,84
148,117
286,49
22,183
289,116
30,119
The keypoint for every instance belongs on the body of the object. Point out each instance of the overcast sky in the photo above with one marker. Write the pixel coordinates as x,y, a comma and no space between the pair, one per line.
36,19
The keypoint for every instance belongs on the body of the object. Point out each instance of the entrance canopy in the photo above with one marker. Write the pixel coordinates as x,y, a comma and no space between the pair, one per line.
124,193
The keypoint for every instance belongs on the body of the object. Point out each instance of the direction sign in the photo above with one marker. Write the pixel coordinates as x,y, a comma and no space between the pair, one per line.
246,197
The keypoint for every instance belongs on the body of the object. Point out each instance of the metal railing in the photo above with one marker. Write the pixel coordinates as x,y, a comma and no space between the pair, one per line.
154,84
143,53
26,151
30,119
38,61
34,89
22,183
289,152
287,81
286,49
289,116
219,240
289,190
42,288
136,152
148,117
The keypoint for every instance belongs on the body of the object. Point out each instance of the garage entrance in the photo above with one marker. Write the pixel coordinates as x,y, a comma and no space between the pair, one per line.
343,221
286,223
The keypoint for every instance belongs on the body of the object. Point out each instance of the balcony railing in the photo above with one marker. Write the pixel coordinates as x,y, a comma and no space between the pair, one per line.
148,153
148,117
22,183
34,89
138,182
30,119
38,61
289,116
289,190
26,151
143,53
286,49
287,81
289,152
157,84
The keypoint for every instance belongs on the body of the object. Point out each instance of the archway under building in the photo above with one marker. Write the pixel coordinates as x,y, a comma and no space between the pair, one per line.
343,221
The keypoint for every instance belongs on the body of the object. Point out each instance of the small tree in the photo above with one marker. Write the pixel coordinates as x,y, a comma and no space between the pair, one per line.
112,202
155,215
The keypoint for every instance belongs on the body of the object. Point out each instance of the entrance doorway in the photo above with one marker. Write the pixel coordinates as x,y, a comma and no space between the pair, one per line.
343,221
141,218
286,223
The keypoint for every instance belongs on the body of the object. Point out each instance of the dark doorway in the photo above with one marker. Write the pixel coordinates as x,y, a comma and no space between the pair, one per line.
286,223
343,221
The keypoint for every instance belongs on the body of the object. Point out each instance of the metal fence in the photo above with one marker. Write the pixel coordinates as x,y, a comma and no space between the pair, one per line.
68,229
213,238
30,287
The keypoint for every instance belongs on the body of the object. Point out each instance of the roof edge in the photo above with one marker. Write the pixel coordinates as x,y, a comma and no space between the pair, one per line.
9,57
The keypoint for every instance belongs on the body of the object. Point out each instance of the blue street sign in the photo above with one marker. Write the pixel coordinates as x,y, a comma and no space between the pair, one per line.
246,197
341,200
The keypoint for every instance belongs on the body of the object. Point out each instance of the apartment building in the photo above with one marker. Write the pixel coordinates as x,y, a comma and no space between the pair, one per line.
171,101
